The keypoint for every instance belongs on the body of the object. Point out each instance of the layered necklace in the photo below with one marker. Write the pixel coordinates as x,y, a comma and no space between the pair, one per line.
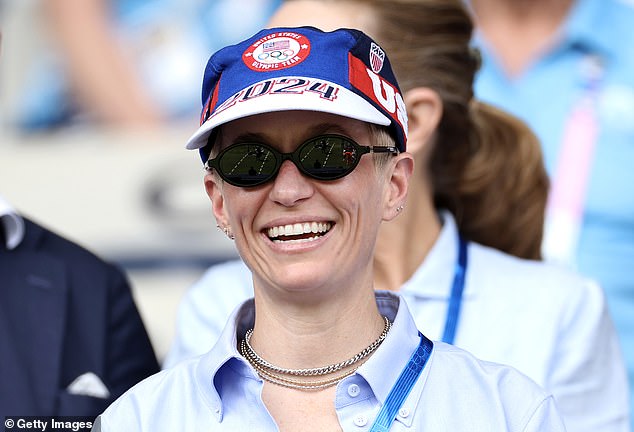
312,378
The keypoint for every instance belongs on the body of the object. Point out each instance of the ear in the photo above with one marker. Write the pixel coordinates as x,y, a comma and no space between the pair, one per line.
213,186
397,185
424,111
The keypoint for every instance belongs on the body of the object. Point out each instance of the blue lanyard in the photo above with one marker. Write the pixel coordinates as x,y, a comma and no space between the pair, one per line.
416,364
453,310
403,386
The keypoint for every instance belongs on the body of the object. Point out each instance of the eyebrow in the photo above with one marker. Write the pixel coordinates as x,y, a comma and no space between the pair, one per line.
311,132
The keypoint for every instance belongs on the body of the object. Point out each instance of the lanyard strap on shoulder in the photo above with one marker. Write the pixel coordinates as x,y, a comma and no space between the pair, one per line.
403,386
455,301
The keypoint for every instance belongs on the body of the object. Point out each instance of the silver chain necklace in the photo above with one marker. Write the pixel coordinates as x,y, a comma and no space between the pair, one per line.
284,376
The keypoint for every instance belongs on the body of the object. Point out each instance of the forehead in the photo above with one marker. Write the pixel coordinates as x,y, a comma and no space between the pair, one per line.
291,127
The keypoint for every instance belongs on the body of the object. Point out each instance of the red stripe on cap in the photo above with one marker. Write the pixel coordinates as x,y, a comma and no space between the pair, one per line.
380,91
211,104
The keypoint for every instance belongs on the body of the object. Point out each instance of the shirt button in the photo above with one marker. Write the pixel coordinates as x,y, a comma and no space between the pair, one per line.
360,420
403,412
354,390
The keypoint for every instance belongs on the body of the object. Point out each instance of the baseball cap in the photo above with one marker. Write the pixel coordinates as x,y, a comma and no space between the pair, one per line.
342,72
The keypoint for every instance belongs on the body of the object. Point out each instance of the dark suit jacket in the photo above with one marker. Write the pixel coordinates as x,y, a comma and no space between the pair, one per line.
65,312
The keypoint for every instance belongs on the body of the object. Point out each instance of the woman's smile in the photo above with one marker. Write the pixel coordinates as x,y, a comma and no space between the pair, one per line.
298,232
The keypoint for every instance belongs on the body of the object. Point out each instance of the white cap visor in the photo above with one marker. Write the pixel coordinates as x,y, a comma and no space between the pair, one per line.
343,102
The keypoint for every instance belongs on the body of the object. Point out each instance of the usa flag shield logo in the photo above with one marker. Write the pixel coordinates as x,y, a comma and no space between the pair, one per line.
276,51
377,56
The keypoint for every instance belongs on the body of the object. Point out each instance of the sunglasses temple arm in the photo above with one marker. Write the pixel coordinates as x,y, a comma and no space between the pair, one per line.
381,149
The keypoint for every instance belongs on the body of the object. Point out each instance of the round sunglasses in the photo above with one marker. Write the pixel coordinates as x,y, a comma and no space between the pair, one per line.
324,157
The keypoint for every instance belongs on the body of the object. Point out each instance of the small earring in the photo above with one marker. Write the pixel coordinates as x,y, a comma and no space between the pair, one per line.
227,232
400,208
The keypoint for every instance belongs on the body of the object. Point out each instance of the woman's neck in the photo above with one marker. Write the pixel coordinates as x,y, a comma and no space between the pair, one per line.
300,336
404,242
519,31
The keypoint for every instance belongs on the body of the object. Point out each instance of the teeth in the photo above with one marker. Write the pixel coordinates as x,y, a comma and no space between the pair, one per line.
299,229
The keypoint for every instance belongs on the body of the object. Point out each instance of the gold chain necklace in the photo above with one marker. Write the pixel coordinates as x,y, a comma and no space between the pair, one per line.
285,377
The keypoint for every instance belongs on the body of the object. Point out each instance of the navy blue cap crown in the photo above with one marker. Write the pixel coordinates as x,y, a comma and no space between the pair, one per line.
343,72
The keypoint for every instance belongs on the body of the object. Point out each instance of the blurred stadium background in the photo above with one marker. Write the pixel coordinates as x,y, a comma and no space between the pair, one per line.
136,199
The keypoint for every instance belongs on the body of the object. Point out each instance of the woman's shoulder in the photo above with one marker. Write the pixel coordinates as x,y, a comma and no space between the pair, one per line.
524,287
450,359
167,383
229,276
501,268
501,394
150,400
233,269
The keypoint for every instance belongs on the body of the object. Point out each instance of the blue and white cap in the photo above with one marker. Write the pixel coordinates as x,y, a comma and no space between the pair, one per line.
343,72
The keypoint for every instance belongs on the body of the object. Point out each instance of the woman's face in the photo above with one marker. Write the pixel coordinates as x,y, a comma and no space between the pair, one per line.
346,212
325,15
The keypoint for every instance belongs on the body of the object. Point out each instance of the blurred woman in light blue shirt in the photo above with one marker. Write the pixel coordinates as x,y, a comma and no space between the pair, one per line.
572,81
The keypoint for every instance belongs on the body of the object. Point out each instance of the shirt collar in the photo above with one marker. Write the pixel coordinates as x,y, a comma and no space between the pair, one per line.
225,354
12,224
587,26
395,350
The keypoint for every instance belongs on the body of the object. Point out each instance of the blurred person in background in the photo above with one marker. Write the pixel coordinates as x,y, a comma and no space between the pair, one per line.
477,197
128,63
566,67
71,338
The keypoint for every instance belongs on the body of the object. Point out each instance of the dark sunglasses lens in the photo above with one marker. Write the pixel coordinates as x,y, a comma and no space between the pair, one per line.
247,164
328,157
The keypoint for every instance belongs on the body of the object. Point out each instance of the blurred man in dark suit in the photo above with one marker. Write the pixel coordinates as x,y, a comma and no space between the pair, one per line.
71,338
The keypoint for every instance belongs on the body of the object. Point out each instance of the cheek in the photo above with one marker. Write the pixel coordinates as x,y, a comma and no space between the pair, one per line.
368,191
242,205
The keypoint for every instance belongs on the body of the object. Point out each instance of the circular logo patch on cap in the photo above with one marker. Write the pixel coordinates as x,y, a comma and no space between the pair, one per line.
279,50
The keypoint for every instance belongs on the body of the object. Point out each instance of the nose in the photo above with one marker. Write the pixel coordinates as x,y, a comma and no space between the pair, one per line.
290,187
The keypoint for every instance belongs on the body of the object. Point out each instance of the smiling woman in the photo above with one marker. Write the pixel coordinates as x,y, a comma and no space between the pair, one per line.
294,179
475,206
351,208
